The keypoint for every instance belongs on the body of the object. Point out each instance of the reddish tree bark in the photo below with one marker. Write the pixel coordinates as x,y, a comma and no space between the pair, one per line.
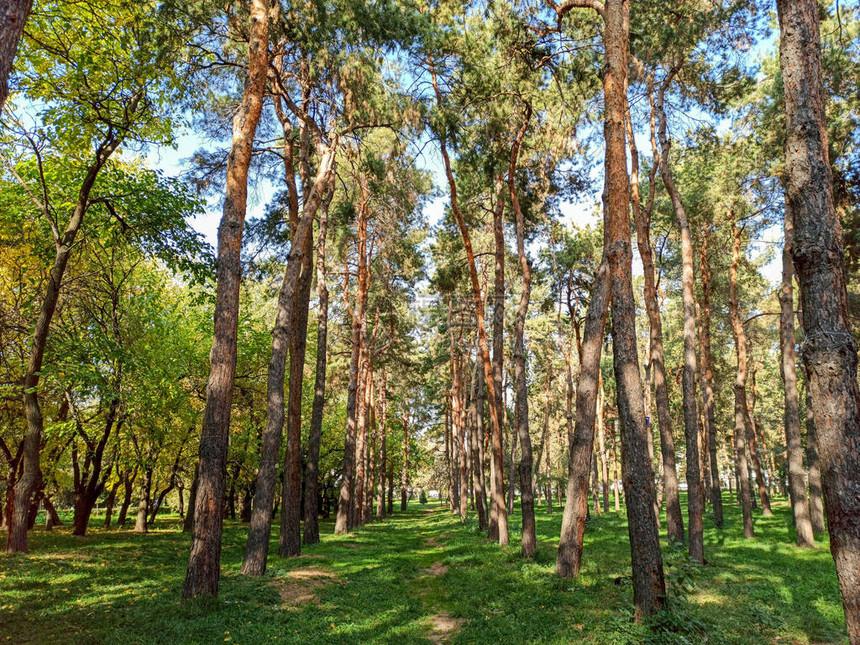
204,563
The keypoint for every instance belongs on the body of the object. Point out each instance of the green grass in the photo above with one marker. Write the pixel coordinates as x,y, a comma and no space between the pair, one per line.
382,587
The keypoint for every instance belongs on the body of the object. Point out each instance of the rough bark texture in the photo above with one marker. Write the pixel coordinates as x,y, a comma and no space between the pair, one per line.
740,388
404,469
257,549
498,499
695,494
527,502
312,531
290,538
649,588
13,17
204,563
830,349
674,520
569,557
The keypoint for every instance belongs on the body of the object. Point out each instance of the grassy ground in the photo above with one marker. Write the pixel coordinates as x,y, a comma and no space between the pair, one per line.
421,576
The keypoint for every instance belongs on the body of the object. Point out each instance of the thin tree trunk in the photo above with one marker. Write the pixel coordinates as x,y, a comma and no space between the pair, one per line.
109,504
462,449
383,446
527,502
346,502
754,451
188,524
498,348
312,531
642,218
290,544
601,444
404,470
791,417
204,563
830,349
498,499
708,379
695,494
257,547
476,435
740,386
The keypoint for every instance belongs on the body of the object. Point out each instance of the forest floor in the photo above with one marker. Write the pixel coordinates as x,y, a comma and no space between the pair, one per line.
421,576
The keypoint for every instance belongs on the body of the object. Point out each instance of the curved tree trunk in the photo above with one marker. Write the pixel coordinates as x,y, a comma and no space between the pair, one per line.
674,520
498,498
695,494
830,349
527,502
204,563
569,557
30,479
257,548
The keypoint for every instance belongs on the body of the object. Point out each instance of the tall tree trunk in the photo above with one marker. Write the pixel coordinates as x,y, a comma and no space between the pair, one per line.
257,547
527,502
312,531
462,449
476,435
642,218
695,494
383,446
498,345
204,563
346,502
404,469
569,557
13,17
740,388
649,588
830,349
498,499
290,538
791,417
708,380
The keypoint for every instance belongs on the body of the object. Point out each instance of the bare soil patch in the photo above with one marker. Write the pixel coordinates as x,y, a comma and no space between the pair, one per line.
301,586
